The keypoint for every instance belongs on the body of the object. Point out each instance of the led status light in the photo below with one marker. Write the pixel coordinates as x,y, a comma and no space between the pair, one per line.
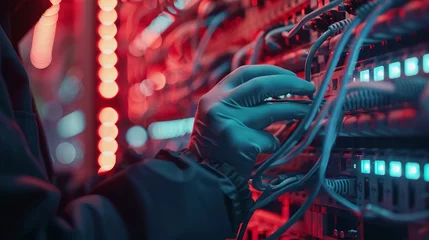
395,70
412,170
426,63
411,66
380,167
395,169
379,73
426,172
364,76
365,166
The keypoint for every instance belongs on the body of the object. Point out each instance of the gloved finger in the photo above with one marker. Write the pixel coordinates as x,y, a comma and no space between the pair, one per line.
255,91
264,141
262,116
246,73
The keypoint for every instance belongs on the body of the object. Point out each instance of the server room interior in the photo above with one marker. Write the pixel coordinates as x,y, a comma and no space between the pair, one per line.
356,168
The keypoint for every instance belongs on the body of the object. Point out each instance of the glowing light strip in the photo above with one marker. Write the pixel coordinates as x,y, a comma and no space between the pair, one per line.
108,88
44,36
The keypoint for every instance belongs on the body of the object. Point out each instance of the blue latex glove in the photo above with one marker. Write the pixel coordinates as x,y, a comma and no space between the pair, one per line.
231,117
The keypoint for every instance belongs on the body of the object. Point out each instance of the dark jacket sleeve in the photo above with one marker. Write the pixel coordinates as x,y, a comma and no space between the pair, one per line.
171,198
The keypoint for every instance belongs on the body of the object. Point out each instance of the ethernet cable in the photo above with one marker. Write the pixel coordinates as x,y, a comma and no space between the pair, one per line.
305,125
202,46
356,91
332,124
238,56
312,15
257,182
290,30
261,40
332,30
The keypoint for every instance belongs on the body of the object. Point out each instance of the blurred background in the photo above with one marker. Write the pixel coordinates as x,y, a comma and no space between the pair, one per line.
97,98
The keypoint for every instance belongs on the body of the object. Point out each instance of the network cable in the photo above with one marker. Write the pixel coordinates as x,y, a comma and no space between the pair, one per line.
287,185
202,46
336,114
305,125
238,56
258,47
328,143
290,30
332,30
357,92
196,63
386,90
257,182
312,15
262,38
337,109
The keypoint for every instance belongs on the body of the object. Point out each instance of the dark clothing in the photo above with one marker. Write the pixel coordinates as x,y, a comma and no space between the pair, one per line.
172,197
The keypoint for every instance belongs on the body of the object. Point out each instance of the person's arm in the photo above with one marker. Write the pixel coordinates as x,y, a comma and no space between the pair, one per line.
172,198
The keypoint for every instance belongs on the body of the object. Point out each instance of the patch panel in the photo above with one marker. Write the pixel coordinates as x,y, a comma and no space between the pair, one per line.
404,63
392,179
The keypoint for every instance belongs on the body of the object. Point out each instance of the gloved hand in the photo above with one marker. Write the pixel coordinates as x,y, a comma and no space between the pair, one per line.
231,117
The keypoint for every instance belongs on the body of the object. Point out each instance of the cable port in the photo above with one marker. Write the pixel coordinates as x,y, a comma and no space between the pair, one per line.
366,189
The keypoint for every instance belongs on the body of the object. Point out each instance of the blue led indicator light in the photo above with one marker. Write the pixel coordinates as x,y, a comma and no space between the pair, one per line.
395,70
379,167
395,169
364,76
365,166
412,170
426,172
411,66
426,63
379,73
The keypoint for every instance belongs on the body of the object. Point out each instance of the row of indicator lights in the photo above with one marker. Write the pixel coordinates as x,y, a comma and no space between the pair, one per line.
412,169
108,88
411,68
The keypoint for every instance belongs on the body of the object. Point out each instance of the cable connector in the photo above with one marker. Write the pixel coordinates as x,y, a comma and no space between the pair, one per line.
337,27
321,23
345,187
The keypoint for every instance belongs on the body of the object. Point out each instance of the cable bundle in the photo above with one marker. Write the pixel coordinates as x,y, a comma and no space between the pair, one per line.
369,12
